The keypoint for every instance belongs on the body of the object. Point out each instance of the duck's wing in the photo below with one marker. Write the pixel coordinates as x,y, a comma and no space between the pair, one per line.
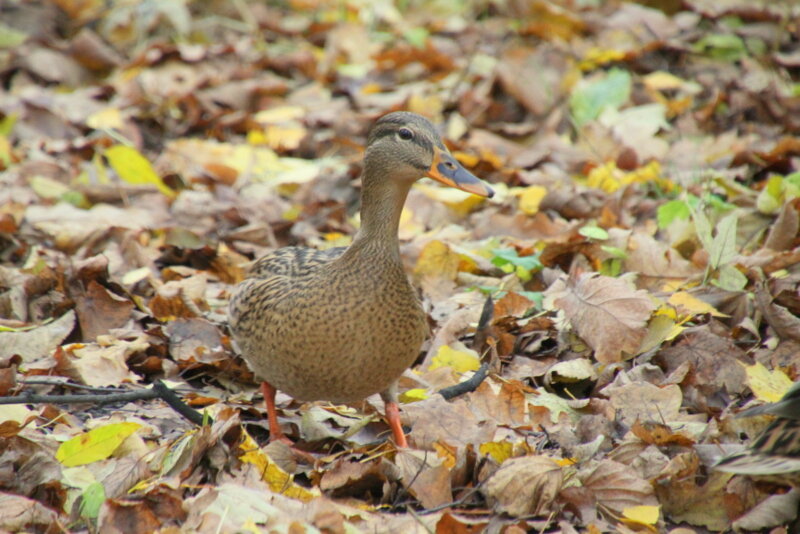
775,451
293,262
274,280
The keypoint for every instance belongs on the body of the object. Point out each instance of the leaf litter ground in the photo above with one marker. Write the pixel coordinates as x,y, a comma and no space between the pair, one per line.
641,253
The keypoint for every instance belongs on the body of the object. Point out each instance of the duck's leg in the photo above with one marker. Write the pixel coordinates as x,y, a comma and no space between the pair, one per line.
393,415
275,432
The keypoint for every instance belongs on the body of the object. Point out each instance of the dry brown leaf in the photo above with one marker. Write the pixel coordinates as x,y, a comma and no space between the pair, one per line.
195,340
41,341
105,364
425,476
785,323
606,313
617,486
348,477
713,359
100,310
19,514
524,486
641,401
435,419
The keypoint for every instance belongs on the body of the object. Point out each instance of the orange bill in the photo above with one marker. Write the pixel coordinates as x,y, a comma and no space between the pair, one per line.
447,170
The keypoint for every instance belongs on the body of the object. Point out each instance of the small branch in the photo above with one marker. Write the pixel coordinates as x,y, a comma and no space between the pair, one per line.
466,386
159,391
93,398
175,402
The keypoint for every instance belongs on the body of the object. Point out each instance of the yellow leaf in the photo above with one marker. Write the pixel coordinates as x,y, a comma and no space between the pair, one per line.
459,201
134,168
596,57
662,81
768,386
284,137
409,226
106,119
429,106
500,451
279,480
460,361
414,395
95,445
693,305
530,198
437,260
447,455
646,515
660,328
466,159
279,114
605,177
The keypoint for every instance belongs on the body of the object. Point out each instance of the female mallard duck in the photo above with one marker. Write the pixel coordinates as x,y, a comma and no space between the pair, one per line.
344,323
776,451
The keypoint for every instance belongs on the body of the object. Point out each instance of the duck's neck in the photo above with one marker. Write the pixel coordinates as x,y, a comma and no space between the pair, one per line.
382,202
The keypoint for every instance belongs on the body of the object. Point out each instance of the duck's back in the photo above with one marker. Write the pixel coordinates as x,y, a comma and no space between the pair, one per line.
318,326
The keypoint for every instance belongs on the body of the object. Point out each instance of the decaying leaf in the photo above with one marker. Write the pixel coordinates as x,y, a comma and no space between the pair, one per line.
606,312
525,486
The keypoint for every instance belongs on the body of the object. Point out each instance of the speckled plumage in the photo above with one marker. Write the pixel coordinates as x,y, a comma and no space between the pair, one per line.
343,324
776,451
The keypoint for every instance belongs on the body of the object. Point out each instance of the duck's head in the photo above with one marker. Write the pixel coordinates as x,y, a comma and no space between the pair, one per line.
404,146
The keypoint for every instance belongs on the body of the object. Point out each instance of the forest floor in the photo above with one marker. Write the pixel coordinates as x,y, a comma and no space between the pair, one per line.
641,253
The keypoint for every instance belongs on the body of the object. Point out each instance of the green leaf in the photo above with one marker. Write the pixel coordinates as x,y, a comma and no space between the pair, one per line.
10,37
723,247
588,100
725,47
702,228
7,124
417,37
95,445
134,168
534,296
92,499
730,278
506,256
616,252
593,232
670,211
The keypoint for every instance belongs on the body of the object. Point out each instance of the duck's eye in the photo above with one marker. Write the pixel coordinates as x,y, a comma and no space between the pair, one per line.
405,134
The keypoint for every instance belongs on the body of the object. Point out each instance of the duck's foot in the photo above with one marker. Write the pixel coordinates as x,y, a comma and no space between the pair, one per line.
393,418
275,432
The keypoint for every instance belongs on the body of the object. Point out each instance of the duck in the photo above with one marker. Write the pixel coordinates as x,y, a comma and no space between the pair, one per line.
344,323
776,451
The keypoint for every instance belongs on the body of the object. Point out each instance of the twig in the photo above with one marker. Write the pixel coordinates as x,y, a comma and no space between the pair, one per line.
175,402
92,398
481,335
454,504
471,384
158,391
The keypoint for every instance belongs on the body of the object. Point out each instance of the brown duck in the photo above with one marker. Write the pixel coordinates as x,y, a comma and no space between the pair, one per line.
344,323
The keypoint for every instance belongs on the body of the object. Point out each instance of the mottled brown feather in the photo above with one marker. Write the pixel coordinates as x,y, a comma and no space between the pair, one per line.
342,324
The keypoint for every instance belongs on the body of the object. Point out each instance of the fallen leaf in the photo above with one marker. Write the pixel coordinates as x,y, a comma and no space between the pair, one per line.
606,312
97,444
524,486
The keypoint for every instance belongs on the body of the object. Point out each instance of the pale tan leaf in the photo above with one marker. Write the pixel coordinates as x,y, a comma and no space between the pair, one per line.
606,313
524,486
617,486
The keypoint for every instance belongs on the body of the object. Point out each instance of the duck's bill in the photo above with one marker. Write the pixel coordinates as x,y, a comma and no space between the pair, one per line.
447,170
